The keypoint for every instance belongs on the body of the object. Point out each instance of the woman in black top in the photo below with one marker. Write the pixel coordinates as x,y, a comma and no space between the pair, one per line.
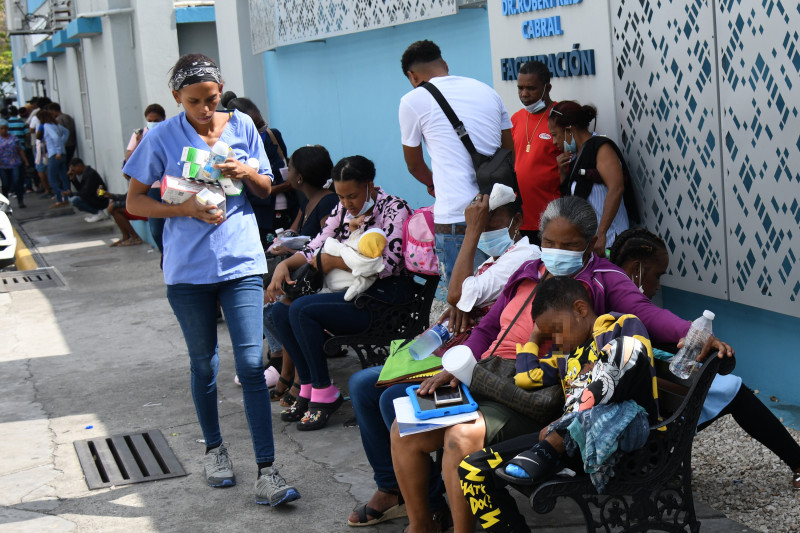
309,170
268,216
593,168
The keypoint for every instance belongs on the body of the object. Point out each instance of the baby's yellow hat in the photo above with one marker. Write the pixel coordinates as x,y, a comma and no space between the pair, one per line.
372,243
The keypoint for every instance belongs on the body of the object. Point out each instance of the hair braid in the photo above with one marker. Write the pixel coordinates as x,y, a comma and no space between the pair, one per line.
635,244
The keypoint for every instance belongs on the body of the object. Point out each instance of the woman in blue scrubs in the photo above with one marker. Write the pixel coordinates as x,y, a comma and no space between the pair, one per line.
211,256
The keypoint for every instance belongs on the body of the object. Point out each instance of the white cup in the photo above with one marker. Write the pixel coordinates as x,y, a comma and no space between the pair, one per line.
460,361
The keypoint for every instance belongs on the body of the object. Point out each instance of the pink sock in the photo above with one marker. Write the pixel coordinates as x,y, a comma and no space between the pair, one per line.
326,395
305,390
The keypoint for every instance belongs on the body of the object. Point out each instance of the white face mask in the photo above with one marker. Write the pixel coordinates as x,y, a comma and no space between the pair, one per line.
536,106
151,125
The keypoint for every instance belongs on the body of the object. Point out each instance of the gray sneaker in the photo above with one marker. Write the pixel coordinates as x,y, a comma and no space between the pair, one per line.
219,467
271,488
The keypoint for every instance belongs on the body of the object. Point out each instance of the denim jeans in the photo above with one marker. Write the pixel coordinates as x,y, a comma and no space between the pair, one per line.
156,224
81,204
57,176
13,180
270,334
195,306
300,326
374,409
447,246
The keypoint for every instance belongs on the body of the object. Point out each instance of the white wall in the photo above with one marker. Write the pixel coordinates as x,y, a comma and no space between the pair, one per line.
243,71
156,52
198,38
66,91
586,23
113,89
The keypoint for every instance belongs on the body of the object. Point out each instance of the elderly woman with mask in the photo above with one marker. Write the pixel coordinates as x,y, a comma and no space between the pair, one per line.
493,223
569,232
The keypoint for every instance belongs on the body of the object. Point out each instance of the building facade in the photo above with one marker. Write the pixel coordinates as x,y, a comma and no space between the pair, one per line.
104,61
701,96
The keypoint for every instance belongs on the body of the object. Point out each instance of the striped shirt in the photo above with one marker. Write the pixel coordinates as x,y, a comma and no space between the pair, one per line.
17,127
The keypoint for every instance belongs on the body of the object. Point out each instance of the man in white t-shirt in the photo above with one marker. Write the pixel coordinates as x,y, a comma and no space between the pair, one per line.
452,179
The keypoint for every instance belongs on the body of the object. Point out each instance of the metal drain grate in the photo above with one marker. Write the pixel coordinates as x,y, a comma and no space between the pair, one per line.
125,459
23,280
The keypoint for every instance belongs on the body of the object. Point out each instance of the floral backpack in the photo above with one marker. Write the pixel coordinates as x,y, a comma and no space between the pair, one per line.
418,242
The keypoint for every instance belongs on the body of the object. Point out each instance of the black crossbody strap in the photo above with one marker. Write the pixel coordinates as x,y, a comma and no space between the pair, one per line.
514,320
461,131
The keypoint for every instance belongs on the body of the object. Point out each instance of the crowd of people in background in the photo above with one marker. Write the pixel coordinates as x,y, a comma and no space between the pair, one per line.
520,264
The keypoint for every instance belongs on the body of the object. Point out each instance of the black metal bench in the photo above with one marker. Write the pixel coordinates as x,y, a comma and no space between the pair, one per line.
388,322
652,486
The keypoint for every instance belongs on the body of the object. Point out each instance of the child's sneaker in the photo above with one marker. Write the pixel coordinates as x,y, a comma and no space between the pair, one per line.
531,466
219,467
271,488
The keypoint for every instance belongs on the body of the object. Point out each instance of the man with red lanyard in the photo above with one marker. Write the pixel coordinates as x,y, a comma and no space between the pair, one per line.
534,151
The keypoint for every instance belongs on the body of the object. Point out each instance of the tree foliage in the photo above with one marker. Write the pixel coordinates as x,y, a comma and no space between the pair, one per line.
6,61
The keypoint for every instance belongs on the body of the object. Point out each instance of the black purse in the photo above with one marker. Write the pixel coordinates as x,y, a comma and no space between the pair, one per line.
489,169
307,280
493,378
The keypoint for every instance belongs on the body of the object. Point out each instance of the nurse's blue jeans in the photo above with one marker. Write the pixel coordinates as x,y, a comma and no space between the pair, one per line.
242,300
300,326
374,409
57,176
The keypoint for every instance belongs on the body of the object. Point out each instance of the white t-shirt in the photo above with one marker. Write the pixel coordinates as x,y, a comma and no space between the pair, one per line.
481,110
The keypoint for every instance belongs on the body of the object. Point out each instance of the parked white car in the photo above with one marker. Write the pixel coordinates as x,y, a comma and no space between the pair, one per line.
8,242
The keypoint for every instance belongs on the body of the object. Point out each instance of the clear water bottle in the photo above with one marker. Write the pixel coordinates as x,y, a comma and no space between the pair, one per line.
219,153
429,341
685,360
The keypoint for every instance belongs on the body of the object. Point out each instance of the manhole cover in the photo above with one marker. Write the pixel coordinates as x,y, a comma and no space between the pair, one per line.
96,262
30,279
125,459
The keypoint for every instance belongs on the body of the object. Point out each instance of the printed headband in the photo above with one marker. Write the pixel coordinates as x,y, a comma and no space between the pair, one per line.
197,72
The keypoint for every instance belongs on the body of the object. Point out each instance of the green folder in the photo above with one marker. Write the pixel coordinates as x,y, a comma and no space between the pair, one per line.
400,367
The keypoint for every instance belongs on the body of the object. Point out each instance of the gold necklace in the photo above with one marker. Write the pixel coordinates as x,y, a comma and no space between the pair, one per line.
527,119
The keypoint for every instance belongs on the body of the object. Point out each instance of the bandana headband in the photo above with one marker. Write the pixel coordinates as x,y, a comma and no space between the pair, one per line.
197,72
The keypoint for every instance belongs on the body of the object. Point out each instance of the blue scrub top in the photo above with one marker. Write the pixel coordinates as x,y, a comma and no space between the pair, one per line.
196,252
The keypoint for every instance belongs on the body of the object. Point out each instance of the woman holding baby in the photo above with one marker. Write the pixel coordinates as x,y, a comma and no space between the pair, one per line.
362,207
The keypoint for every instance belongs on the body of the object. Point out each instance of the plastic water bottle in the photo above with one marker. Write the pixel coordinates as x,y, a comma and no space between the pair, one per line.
219,153
429,341
685,360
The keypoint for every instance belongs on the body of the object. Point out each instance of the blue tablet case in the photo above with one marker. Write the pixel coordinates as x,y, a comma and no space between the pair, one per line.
468,407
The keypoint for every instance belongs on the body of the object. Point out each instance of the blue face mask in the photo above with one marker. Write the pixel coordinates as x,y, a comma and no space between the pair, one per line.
571,146
495,243
562,262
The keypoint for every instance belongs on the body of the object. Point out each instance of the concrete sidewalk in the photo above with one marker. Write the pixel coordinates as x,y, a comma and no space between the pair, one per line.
106,351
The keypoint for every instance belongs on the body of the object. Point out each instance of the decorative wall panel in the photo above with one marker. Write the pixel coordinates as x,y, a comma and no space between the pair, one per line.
296,21
263,25
667,110
759,96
